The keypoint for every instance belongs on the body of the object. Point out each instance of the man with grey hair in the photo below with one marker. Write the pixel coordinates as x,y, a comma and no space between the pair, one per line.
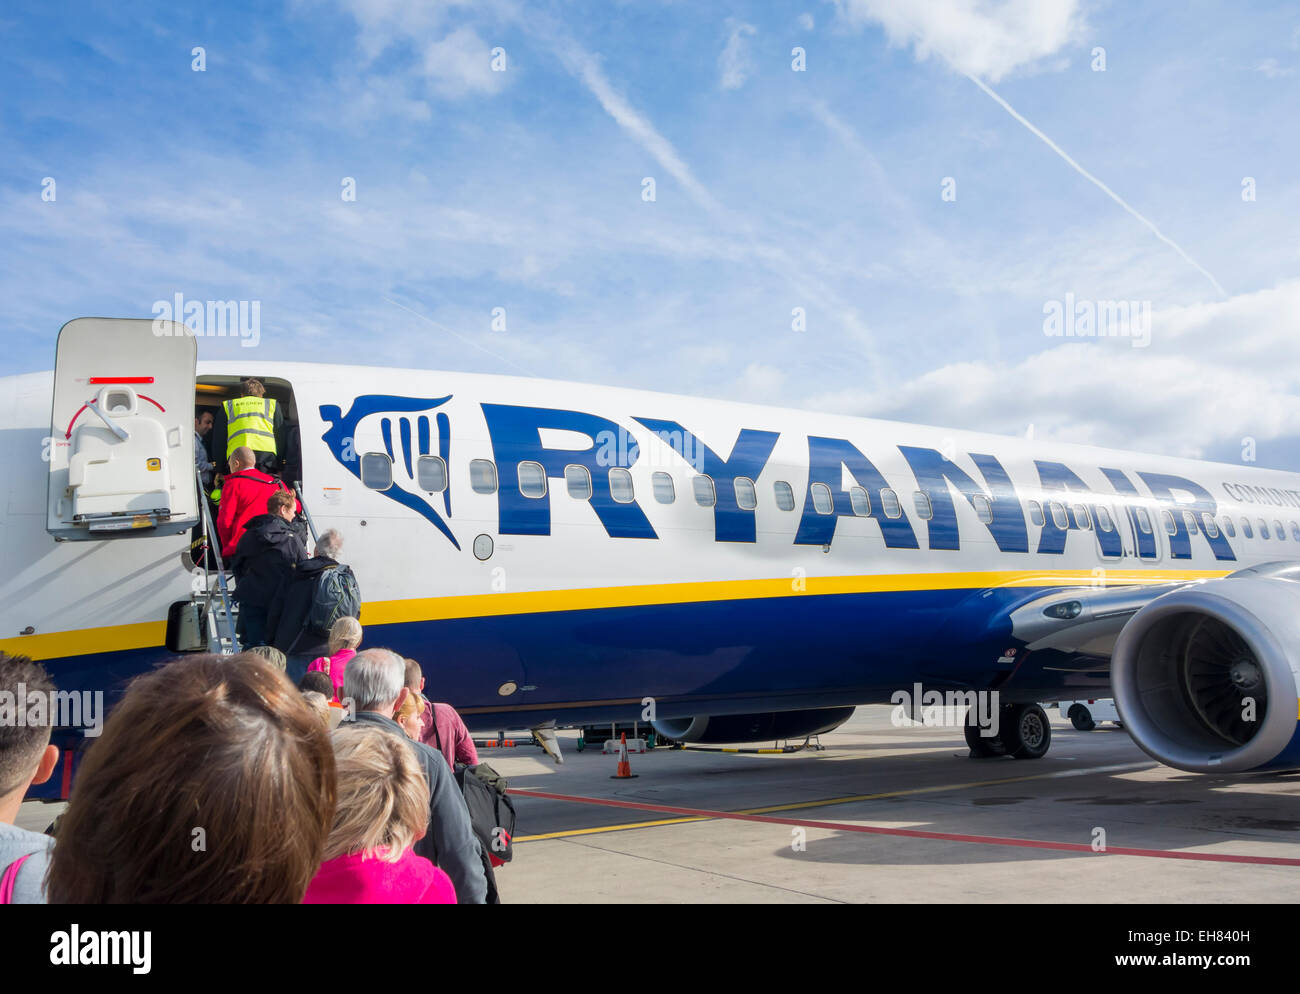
316,593
374,689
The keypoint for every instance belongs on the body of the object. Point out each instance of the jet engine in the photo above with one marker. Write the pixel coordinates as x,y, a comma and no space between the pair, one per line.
1205,676
765,727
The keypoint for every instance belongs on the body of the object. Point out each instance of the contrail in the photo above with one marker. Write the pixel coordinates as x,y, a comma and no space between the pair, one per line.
1098,183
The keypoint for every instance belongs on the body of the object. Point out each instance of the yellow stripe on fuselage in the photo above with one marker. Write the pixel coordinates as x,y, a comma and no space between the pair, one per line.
151,634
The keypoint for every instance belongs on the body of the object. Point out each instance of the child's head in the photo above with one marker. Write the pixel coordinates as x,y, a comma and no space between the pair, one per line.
319,703
344,634
213,783
315,680
383,797
408,715
26,756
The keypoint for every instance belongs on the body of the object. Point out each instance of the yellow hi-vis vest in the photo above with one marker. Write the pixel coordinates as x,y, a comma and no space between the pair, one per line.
250,421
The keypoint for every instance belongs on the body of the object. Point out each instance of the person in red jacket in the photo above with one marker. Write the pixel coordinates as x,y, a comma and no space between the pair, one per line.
243,497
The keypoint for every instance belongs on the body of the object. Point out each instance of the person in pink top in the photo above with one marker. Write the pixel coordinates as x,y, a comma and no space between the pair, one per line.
382,810
441,727
345,637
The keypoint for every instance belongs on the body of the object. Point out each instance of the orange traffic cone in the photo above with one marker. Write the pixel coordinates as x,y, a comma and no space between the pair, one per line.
624,767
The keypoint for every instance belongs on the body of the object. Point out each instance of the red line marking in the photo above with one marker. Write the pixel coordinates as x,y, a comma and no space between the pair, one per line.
121,379
152,401
68,433
911,833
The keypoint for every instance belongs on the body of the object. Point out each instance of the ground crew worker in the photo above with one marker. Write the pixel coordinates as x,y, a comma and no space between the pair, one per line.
203,464
255,421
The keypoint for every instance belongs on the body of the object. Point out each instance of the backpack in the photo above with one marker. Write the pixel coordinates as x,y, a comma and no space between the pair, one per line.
335,596
492,818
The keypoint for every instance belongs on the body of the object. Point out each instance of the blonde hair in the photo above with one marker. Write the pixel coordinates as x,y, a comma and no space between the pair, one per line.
344,634
383,796
412,705
318,703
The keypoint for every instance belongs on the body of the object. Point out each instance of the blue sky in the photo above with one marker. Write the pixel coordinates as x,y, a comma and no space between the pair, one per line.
775,190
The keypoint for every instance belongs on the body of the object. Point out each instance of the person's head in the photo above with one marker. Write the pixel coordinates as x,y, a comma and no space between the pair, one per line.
383,797
253,387
272,655
315,680
203,421
281,505
408,715
26,756
414,676
373,680
344,634
319,703
330,544
212,783
241,459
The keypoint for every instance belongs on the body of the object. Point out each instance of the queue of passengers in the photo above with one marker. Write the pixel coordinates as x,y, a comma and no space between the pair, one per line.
216,780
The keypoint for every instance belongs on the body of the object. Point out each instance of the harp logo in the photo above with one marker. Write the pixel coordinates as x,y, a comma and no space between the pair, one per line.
405,429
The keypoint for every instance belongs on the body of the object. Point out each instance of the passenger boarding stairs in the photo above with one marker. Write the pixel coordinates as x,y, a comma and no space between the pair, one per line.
211,592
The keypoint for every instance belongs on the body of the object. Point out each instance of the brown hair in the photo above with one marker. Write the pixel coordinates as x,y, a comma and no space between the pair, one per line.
414,674
213,783
253,388
22,744
278,500
383,796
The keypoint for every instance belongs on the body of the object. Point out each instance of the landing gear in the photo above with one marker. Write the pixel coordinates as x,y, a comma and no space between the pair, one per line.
1081,718
1023,733
982,746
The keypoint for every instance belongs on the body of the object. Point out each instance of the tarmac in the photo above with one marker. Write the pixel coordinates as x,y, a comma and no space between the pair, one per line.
890,814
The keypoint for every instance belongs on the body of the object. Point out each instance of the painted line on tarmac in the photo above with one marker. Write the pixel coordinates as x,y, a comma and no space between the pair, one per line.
524,792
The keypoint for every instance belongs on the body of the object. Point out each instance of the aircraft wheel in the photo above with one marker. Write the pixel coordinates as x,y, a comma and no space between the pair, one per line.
1025,733
1081,718
981,746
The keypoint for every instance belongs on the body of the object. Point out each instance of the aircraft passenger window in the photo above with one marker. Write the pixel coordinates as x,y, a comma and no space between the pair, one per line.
889,501
483,476
1295,531
1144,520
1103,520
983,508
431,474
620,486
746,498
1279,531
784,495
823,503
1081,517
1208,524
924,510
663,487
1059,517
1245,528
704,493
1189,520
1170,527
577,480
1263,528
860,501
1229,527
532,479
376,471
1035,512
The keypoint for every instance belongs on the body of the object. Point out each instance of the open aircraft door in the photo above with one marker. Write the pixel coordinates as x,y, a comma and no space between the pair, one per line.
122,435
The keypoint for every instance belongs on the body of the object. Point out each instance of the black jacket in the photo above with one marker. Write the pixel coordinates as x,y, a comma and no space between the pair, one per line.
267,553
286,624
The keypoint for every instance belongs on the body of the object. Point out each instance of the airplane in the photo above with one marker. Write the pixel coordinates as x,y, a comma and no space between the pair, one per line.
559,553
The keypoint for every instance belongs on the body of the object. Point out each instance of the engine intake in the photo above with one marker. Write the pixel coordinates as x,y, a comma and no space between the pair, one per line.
1205,677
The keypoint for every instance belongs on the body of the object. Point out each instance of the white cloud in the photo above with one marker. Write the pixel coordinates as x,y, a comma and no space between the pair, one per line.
1273,69
986,38
760,382
806,21
735,62
1214,372
461,63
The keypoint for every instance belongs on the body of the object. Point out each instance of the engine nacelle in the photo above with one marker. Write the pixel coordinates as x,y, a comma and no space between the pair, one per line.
1205,677
766,727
